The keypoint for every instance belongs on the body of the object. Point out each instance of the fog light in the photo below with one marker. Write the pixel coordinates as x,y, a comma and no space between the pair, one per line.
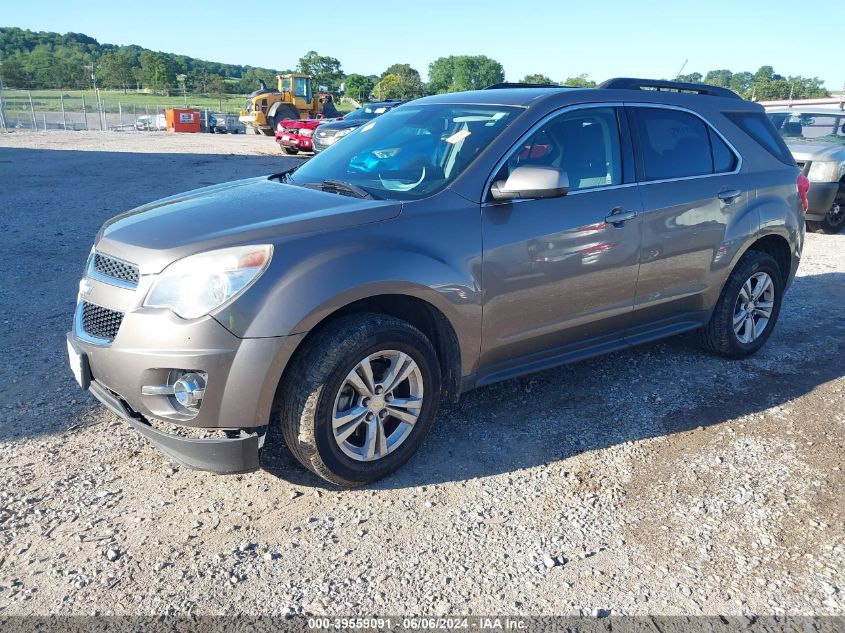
184,390
189,390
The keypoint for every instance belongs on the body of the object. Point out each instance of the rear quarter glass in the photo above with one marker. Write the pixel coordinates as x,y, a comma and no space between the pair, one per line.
758,126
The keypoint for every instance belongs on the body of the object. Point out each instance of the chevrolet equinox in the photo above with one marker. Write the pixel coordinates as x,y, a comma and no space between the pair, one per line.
453,242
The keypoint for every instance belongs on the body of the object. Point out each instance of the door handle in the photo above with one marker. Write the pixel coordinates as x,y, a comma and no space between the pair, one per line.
619,215
729,195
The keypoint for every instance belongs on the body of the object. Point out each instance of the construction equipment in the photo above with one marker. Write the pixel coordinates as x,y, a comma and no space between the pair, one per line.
293,98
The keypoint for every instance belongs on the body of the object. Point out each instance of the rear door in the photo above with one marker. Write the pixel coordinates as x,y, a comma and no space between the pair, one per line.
692,191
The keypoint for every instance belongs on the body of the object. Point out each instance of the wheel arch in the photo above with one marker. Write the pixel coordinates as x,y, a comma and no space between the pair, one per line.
777,246
420,313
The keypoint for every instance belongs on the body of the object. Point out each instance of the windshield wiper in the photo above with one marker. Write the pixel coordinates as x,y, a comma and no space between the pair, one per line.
284,176
343,188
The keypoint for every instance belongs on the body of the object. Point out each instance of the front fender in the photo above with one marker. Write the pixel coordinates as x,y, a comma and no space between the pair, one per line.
314,276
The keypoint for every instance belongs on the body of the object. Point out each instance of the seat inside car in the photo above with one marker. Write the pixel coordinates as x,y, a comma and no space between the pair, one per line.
791,129
584,153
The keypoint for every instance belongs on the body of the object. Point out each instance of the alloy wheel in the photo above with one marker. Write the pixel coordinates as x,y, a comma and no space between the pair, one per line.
377,405
754,307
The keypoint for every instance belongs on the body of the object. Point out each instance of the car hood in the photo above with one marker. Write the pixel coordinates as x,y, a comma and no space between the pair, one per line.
253,211
808,150
342,125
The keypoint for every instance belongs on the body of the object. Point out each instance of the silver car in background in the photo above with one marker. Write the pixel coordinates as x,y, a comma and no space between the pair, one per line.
816,137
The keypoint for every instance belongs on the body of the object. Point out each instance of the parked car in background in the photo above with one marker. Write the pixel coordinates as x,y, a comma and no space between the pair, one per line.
344,299
816,137
149,122
222,123
294,135
328,133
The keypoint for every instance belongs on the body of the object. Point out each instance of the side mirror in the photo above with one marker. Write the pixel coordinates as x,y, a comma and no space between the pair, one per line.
531,181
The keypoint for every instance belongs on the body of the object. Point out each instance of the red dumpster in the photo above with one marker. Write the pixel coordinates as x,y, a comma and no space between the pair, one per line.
179,120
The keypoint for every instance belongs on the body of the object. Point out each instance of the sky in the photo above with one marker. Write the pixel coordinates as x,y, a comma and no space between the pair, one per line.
603,38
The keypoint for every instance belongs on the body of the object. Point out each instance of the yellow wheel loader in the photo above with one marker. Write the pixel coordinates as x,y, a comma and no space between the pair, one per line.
293,98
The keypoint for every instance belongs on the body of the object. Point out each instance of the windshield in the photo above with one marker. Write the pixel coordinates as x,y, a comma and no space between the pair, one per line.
826,127
410,152
366,113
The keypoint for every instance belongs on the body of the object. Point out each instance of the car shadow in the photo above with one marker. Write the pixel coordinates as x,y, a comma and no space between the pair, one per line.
654,390
53,202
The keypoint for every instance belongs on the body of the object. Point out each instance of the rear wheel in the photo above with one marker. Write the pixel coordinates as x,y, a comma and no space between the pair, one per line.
360,398
748,308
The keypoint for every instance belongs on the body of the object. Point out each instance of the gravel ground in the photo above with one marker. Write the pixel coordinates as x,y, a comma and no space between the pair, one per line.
655,481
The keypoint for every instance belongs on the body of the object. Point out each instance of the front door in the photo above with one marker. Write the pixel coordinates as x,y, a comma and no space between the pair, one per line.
559,274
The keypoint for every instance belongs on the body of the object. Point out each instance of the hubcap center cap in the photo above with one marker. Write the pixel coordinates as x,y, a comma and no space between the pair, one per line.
376,404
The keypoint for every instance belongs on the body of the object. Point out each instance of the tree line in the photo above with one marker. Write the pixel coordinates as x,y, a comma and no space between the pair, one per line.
32,60
764,85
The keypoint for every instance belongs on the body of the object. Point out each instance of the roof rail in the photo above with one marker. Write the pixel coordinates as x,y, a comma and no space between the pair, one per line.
508,84
630,83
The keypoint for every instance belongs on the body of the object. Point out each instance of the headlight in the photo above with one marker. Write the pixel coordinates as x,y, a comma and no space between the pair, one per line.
825,171
194,286
306,132
344,132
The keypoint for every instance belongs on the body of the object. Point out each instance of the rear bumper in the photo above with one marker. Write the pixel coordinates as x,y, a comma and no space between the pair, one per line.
820,197
223,456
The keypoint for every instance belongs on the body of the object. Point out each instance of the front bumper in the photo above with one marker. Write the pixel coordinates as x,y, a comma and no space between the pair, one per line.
820,198
243,375
302,143
223,456
320,144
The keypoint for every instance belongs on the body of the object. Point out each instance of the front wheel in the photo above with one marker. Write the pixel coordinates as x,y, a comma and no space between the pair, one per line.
290,151
360,398
748,308
835,218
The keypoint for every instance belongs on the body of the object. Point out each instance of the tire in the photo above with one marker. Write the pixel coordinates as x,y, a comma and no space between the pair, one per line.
835,218
317,389
290,151
282,112
719,336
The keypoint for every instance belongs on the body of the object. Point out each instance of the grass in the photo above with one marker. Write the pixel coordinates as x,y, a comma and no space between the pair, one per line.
114,100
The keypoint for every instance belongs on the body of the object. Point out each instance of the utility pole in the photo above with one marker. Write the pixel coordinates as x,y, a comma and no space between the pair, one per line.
99,103
2,99
183,79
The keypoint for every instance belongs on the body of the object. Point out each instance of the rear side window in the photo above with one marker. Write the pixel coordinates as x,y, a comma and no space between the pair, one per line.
758,127
673,144
724,160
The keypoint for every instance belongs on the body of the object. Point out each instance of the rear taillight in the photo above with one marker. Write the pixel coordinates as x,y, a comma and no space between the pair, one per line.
803,188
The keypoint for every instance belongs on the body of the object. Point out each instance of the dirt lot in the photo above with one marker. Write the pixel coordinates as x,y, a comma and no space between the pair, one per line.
656,481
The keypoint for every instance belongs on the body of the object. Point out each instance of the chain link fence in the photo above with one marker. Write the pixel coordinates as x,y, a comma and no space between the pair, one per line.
35,110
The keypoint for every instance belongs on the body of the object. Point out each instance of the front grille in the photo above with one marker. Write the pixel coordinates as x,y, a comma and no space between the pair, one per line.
100,322
116,268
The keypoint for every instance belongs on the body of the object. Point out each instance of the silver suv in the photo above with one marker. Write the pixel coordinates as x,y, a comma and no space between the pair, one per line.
816,137
453,242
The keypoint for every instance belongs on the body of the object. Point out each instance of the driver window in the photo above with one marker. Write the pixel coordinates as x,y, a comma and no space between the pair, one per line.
584,143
